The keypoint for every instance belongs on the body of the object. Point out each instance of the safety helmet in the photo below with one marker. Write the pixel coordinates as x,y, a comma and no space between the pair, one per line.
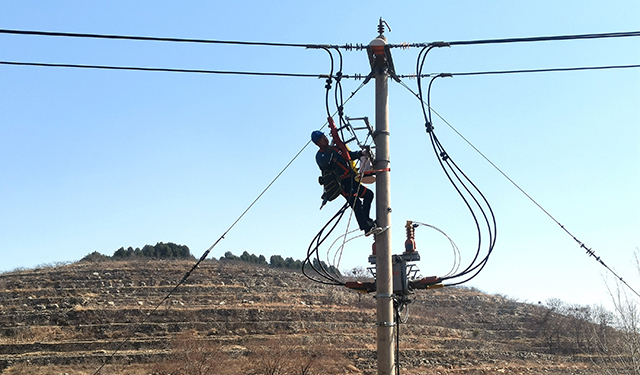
316,135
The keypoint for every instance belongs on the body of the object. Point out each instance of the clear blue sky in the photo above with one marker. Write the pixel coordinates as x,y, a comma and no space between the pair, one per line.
93,160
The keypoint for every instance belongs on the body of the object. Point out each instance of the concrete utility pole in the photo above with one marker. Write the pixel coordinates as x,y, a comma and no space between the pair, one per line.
384,274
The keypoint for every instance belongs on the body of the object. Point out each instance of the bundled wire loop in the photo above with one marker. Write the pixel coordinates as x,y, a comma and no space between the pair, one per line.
483,217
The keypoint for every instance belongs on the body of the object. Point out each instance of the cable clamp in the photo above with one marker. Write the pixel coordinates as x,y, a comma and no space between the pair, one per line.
429,127
374,171
384,296
378,132
441,44
386,324
328,85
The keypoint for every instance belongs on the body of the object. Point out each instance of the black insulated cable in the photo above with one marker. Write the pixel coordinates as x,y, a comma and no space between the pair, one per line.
624,34
347,47
545,38
155,39
166,70
473,198
313,252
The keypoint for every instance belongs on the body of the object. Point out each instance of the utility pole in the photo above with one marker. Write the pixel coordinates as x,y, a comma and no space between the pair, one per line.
380,62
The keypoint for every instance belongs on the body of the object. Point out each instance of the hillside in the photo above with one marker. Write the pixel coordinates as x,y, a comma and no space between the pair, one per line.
71,318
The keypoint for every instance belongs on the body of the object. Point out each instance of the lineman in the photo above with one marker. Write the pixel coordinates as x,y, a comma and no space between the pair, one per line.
337,158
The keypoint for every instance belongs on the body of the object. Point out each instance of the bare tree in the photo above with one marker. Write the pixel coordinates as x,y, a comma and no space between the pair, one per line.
619,348
287,356
628,322
192,355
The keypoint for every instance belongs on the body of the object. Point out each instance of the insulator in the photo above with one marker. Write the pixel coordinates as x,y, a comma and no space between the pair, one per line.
381,26
352,46
410,243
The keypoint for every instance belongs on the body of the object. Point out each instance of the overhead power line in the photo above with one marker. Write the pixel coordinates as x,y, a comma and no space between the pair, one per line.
171,70
305,75
547,38
516,71
548,70
348,46
625,34
155,39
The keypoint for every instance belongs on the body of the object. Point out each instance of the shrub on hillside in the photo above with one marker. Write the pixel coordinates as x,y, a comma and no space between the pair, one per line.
194,355
291,356
161,250
95,257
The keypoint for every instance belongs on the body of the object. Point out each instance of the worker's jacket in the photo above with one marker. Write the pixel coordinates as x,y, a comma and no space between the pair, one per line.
331,159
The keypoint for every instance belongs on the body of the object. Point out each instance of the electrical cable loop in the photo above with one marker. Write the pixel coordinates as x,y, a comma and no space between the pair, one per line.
317,265
476,202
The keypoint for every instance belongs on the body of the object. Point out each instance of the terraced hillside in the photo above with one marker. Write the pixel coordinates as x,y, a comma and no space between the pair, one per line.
72,318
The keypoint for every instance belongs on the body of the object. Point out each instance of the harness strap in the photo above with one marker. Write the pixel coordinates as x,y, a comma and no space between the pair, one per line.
374,171
336,138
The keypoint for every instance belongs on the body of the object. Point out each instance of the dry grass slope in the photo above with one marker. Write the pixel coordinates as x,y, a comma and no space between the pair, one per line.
243,319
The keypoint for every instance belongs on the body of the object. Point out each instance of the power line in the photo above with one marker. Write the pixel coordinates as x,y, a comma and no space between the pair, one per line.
155,39
318,46
306,75
348,46
518,71
547,38
548,70
171,70
520,40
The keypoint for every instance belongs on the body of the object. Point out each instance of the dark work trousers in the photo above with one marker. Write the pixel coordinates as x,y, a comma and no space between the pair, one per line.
359,198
